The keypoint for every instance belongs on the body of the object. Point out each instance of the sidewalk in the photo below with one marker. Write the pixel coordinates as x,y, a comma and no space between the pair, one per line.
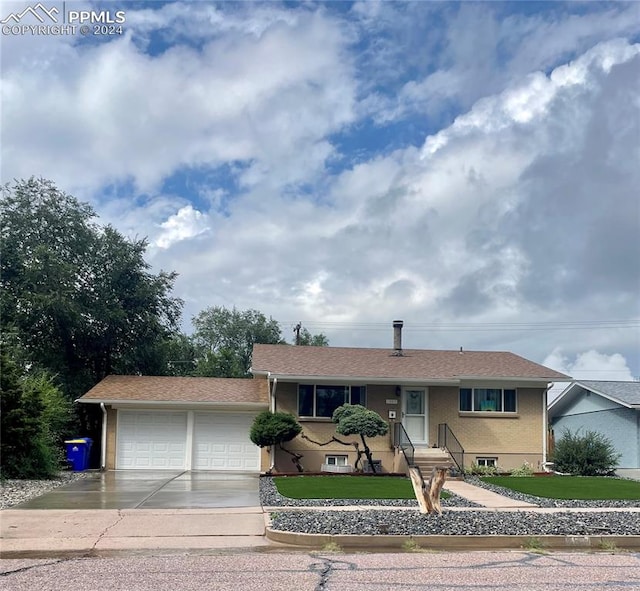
30,533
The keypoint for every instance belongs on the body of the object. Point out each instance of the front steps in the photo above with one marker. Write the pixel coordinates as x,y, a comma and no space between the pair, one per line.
428,458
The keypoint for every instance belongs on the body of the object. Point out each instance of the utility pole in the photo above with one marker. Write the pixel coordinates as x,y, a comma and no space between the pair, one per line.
297,329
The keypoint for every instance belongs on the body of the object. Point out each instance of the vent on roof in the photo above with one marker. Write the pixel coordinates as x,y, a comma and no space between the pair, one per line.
397,337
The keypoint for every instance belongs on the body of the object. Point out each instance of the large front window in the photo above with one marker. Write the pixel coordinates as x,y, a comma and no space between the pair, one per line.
487,400
321,400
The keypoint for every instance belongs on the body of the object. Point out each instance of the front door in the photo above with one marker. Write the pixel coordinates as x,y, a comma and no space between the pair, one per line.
414,418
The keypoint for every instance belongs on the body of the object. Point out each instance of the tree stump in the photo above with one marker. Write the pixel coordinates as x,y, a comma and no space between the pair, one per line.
428,493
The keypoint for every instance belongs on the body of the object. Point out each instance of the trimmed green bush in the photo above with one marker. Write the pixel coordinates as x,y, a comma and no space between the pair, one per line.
588,454
274,428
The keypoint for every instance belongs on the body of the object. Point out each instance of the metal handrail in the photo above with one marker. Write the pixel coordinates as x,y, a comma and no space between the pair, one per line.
401,440
447,440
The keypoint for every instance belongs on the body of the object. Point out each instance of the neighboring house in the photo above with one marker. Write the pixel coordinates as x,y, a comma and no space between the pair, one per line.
610,408
493,403
178,422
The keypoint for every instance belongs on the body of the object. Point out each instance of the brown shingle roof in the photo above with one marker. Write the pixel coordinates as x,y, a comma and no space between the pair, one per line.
177,389
283,360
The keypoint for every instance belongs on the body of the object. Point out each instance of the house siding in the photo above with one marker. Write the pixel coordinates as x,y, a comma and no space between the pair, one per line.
511,438
618,423
322,430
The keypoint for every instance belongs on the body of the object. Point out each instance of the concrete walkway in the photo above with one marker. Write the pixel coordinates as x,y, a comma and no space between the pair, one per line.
483,497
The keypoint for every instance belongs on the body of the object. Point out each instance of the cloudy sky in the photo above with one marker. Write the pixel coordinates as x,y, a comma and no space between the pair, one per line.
470,168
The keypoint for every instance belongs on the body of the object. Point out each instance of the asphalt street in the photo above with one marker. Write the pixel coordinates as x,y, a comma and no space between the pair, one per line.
285,571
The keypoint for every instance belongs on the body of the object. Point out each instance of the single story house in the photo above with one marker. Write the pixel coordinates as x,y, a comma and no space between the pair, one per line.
607,407
484,407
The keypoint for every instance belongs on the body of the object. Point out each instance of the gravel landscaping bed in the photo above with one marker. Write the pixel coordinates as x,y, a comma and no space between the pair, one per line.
466,523
14,492
462,523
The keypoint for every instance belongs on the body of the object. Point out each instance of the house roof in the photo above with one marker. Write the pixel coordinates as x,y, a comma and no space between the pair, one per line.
161,389
415,364
624,393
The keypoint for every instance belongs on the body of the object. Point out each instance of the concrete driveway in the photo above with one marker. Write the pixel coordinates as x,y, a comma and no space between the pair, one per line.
149,489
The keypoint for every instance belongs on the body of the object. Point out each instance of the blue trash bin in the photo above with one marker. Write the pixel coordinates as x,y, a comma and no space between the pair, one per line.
78,453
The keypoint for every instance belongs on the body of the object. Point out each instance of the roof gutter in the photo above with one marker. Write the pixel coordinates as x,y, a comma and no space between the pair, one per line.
318,379
179,403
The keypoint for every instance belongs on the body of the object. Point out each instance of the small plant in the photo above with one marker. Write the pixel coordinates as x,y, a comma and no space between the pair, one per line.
608,546
332,547
591,454
525,470
534,545
477,470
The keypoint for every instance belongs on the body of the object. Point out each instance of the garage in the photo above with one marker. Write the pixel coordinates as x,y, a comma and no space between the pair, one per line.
179,423
151,440
159,440
221,442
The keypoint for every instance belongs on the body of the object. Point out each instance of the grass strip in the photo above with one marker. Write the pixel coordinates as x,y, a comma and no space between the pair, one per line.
584,488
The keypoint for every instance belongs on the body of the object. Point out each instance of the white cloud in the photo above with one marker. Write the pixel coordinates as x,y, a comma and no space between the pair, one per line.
186,223
112,113
587,365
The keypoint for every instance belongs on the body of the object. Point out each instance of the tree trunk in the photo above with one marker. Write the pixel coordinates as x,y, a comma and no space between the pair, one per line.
295,458
428,493
367,452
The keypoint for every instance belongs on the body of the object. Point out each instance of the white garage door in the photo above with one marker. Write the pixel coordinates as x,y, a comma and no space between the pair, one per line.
221,442
151,440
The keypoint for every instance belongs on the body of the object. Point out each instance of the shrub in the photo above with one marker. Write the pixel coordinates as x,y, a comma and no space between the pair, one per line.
274,428
476,470
354,419
27,448
590,454
525,470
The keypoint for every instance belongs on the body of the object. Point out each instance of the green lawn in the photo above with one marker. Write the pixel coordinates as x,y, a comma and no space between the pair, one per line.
571,487
345,487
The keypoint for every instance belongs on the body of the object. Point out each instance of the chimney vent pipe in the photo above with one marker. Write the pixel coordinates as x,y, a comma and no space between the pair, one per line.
397,336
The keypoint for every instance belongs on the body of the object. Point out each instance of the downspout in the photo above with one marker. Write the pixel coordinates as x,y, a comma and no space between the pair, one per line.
272,407
103,441
545,427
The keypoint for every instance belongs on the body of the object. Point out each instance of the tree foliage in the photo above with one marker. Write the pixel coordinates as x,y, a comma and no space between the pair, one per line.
354,419
35,417
224,339
312,340
79,297
274,428
588,454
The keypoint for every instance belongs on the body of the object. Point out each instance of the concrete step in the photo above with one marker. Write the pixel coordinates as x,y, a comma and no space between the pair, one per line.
430,458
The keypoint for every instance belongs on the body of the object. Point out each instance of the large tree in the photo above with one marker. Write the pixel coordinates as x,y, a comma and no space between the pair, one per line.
79,297
225,340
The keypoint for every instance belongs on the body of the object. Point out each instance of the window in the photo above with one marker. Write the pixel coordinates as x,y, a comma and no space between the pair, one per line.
321,400
487,400
487,462
335,460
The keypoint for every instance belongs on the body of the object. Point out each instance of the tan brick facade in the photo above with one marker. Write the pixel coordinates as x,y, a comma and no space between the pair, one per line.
510,438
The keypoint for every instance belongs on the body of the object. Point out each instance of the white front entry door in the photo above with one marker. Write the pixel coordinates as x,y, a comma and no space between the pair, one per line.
415,419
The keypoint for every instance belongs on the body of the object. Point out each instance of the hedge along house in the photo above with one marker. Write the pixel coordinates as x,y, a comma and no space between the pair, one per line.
484,407
179,423
607,407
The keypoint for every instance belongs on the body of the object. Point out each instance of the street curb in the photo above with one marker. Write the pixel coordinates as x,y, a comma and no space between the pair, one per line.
453,543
